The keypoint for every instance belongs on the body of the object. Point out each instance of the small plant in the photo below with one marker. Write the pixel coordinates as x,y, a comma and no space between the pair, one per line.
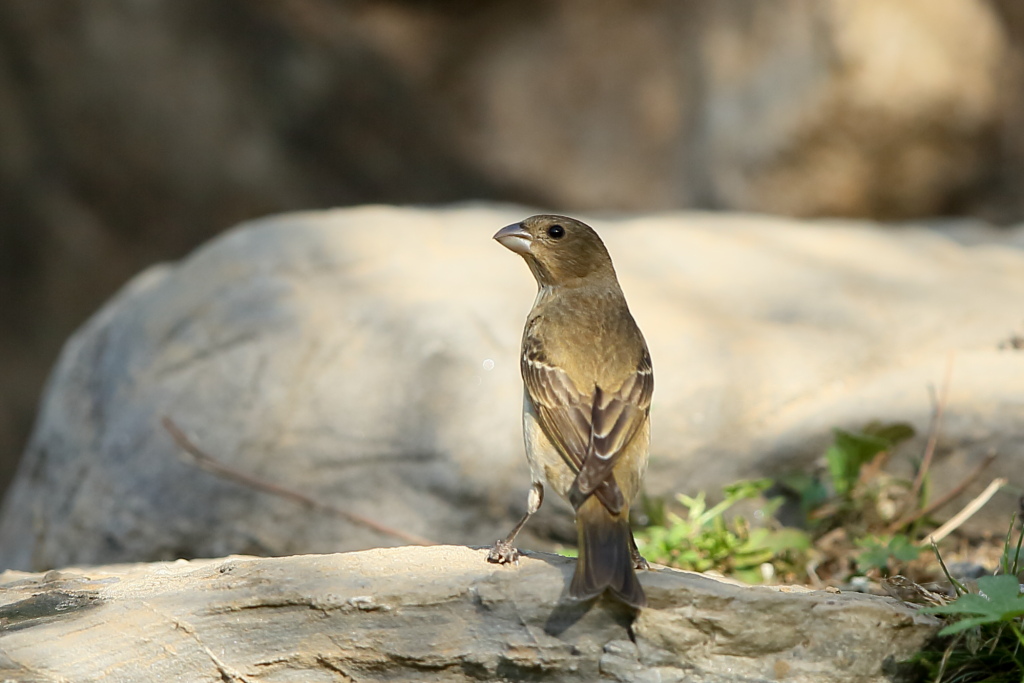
863,520
998,601
853,492
851,451
881,552
848,518
701,538
987,626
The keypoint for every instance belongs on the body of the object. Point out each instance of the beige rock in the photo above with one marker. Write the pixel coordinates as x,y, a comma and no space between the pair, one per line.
135,132
368,358
438,613
844,107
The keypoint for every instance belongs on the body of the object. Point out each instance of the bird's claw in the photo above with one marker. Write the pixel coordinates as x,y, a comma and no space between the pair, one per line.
503,552
640,562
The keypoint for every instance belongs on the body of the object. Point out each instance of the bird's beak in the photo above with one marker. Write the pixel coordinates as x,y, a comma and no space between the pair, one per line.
515,237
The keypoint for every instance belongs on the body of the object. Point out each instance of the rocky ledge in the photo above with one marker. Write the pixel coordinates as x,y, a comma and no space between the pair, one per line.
433,613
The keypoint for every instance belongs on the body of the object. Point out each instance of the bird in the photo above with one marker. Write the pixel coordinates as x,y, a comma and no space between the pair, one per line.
587,387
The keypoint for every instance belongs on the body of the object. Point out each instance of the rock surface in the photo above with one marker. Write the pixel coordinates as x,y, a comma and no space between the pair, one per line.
438,613
369,358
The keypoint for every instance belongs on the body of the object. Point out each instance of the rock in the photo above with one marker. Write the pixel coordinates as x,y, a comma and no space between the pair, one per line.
134,132
438,613
368,358
967,571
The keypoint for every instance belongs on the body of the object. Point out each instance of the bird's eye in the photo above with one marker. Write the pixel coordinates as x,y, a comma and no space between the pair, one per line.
556,232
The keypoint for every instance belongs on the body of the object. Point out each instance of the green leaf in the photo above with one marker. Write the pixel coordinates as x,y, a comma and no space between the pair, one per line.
1003,589
750,575
902,549
878,550
964,625
876,556
1011,557
812,493
788,539
746,488
695,507
998,599
891,432
848,455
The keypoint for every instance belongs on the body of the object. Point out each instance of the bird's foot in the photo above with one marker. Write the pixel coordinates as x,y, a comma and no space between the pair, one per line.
640,562
503,552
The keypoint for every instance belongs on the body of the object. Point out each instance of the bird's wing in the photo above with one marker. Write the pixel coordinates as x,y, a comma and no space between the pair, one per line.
564,412
590,431
616,417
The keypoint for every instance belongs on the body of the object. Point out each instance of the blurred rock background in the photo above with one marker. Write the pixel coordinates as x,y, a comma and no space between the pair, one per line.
131,130
367,357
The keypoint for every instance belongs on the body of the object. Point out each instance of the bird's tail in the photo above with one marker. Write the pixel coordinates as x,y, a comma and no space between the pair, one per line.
605,560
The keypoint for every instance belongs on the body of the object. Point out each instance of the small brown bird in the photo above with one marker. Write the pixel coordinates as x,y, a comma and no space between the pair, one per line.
586,401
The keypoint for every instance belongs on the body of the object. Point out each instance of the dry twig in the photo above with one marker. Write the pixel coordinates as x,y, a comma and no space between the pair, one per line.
965,514
933,432
212,465
945,498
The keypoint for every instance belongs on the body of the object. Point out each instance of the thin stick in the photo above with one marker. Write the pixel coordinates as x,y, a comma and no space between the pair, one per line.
210,464
965,514
933,432
945,498
958,587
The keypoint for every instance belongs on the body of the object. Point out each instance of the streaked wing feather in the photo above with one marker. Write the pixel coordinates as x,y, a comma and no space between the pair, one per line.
564,413
588,431
616,417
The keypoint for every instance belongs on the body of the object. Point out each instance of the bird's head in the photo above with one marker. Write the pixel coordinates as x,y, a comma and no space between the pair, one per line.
559,250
